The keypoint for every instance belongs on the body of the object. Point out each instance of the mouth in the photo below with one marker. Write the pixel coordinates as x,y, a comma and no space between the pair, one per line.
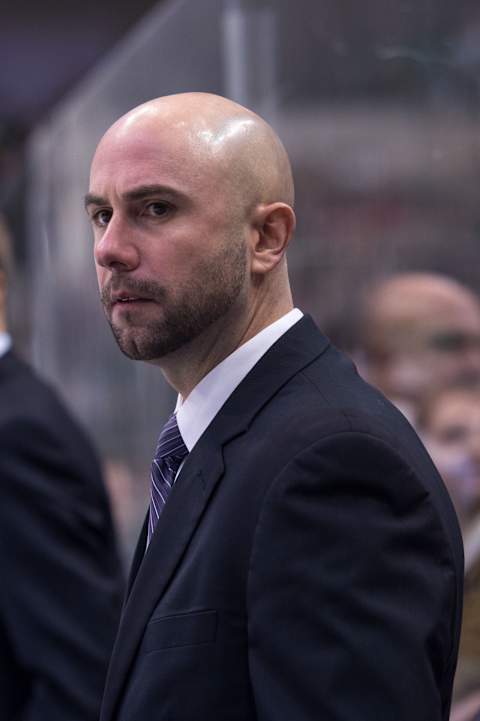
127,299
128,302
129,296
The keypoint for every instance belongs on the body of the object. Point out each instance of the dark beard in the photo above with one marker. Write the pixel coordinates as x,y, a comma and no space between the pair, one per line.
212,293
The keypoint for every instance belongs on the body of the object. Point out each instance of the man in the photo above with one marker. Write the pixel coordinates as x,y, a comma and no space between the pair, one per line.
301,559
61,582
420,331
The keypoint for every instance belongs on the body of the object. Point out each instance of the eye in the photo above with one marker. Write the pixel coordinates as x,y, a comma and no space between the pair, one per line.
102,217
453,433
158,208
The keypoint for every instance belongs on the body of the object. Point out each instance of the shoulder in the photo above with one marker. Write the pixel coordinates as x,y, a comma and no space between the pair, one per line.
33,409
328,430
26,390
43,448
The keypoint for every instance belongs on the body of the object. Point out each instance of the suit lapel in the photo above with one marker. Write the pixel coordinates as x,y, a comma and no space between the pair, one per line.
155,568
203,469
137,556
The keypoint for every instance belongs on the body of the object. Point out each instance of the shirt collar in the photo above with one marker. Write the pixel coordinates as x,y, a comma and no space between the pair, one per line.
196,413
5,343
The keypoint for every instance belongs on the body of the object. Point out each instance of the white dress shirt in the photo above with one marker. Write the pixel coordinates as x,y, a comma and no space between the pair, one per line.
5,343
196,413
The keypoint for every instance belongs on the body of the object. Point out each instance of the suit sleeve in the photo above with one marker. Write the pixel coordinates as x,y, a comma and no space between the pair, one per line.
61,580
352,592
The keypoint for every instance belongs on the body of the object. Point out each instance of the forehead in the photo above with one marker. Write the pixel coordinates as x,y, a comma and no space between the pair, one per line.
422,313
146,155
461,316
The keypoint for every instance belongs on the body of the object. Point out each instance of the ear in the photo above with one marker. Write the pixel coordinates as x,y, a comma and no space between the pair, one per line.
273,227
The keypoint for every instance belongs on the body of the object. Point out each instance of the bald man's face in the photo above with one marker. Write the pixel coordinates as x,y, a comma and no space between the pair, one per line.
169,242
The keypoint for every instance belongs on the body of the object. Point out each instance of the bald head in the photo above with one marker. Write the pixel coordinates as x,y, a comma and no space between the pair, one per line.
420,330
215,133
403,306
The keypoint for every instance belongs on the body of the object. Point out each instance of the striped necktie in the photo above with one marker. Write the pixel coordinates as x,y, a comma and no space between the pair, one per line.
170,452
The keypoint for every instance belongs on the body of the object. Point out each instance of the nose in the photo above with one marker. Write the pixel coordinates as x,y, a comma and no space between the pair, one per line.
115,247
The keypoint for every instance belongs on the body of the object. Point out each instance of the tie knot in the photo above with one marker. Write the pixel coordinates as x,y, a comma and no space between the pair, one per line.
170,444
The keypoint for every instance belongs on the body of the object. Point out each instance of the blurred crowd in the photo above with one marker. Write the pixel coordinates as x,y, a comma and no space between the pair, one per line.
418,340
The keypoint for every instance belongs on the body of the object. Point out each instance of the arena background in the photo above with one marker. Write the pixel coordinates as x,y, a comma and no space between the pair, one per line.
377,103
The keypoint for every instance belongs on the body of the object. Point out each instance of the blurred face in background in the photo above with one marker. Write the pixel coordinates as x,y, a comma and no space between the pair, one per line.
452,435
442,350
422,332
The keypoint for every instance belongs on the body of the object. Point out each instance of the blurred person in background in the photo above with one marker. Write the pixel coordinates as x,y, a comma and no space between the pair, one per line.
449,422
418,331
61,581
301,558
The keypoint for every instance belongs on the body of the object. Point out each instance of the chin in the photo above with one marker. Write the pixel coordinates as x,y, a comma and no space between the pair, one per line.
141,346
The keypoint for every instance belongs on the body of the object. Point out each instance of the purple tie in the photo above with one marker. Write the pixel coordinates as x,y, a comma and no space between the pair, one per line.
171,450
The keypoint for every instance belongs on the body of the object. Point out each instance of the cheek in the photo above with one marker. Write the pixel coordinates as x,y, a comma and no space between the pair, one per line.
174,261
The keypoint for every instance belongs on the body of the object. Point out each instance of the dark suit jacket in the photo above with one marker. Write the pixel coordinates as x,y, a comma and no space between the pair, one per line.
307,565
60,580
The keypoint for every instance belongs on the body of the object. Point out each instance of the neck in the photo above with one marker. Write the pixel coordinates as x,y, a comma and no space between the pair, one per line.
186,367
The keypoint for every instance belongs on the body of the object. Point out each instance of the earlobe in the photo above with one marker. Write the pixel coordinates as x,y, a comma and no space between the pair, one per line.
274,228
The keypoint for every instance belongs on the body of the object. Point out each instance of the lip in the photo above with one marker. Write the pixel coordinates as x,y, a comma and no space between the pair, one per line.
130,304
124,298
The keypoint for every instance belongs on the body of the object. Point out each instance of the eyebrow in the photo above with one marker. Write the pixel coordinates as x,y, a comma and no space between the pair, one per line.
139,193
92,199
